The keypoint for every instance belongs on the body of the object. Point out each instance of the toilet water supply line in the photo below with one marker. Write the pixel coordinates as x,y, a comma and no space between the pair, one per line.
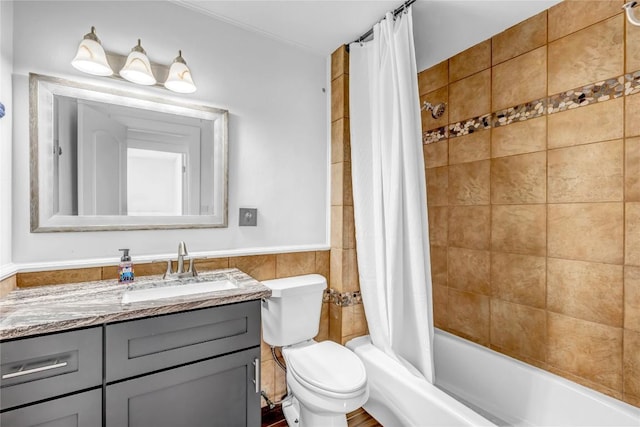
264,395
628,7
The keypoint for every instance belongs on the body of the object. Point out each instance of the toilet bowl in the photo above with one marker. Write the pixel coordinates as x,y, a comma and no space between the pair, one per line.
325,380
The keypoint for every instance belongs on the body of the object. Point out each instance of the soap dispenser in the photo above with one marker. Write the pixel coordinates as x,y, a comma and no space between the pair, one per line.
125,268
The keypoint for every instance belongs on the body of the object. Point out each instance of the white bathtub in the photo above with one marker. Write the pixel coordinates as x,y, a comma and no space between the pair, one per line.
514,393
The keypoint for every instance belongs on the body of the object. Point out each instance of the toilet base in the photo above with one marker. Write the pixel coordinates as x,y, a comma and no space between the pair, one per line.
297,415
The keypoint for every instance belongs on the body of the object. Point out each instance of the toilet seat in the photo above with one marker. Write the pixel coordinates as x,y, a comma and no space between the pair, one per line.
328,369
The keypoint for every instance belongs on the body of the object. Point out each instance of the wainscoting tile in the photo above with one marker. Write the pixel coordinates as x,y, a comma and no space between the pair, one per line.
632,298
469,183
520,279
323,330
267,379
570,16
586,290
438,225
470,97
519,229
587,56
632,112
468,315
470,226
436,154
295,264
323,263
433,78
520,38
632,362
9,284
602,121
469,148
519,179
586,232
519,80
438,265
587,173
632,169
205,264
469,270
337,184
470,61
519,328
586,349
57,277
519,138
632,231
437,186
435,97
260,267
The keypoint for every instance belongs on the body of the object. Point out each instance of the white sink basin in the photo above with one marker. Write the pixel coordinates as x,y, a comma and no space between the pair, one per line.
175,290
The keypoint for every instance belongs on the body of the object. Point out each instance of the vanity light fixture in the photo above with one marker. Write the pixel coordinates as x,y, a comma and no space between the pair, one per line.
91,57
179,78
137,69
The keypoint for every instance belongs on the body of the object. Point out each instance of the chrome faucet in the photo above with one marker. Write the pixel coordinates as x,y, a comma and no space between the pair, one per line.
180,271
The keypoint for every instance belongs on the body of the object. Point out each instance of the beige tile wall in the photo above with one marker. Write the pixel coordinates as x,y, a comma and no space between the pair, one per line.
535,226
261,267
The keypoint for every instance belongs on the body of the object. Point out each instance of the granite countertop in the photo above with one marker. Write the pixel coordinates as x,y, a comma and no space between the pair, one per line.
44,309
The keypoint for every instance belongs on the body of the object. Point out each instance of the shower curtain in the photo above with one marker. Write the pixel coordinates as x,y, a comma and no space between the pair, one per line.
389,194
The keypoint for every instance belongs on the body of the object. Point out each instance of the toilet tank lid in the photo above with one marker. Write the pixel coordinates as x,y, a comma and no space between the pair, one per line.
295,285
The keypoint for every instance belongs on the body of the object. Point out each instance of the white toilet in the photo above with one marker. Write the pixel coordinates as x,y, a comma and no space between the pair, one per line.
325,380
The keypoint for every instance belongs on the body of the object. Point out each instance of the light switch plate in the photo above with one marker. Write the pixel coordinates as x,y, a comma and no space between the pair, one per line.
248,217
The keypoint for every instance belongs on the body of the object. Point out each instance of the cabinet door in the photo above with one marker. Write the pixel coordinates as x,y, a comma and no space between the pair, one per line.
78,410
214,392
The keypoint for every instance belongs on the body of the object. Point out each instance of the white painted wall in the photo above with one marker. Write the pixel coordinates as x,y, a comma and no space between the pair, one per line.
277,128
6,65
443,28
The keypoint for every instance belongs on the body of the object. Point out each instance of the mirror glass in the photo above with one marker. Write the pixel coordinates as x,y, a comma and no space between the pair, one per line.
108,160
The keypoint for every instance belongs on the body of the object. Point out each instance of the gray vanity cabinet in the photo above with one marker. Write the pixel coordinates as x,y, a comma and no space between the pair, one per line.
214,392
196,368
193,368
47,367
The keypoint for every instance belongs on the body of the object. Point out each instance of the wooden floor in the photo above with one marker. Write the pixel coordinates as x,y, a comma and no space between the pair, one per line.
357,418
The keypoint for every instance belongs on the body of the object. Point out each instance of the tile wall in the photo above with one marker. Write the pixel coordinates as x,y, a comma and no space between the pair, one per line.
533,185
260,267
346,312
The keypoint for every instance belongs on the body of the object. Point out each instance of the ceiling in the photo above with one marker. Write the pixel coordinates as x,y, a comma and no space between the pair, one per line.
442,28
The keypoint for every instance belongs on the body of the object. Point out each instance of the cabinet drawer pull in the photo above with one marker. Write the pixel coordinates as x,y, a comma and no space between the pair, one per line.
20,372
256,381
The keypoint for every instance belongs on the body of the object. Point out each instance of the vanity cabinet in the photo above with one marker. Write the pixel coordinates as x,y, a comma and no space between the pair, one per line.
197,368
193,368
36,369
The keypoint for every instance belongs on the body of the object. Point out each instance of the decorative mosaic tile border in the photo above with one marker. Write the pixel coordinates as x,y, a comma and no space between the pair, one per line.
344,299
435,135
519,113
586,95
627,84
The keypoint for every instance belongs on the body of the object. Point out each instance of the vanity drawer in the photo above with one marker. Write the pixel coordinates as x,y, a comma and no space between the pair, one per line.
33,369
147,345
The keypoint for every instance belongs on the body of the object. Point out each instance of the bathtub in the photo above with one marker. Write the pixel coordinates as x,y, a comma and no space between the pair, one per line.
503,389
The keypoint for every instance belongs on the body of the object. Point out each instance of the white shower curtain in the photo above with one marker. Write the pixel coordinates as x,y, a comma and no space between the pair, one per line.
389,194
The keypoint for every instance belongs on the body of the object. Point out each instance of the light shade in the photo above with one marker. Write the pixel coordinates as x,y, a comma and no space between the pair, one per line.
91,58
137,69
179,78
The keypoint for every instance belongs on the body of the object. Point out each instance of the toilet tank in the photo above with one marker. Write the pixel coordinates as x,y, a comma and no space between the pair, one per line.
292,313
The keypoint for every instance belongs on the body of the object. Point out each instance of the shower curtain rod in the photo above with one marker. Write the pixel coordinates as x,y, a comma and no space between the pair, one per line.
396,12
